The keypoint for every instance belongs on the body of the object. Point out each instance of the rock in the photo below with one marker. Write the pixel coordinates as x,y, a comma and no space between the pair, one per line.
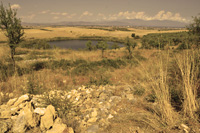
11,95
92,120
38,101
22,99
19,125
58,127
93,129
40,111
48,118
31,119
68,130
115,99
5,126
6,114
11,101
129,96
110,116
94,113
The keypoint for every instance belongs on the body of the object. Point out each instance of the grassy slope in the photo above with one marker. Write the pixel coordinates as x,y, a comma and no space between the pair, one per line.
148,75
75,32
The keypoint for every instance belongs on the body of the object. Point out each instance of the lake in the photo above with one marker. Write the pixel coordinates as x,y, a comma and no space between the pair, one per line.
76,44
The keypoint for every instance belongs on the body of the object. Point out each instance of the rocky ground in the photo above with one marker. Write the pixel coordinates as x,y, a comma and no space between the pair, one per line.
86,109
82,110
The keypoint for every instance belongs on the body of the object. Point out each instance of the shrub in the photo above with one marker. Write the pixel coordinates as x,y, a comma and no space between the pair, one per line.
183,46
115,46
130,46
89,45
39,65
133,35
35,44
102,80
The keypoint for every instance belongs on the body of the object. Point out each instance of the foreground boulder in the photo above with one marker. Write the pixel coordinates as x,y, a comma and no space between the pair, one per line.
19,115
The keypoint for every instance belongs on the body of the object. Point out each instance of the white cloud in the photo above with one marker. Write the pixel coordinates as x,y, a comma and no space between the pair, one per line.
45,12
161,15
59,13
64,13
86,13
55,13
15,6
29,17
56,18
100,15
71,15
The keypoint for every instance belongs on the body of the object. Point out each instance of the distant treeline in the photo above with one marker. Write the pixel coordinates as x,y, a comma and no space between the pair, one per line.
183,40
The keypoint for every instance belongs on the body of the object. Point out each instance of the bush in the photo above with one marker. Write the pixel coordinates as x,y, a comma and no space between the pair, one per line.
183,46
7,70
38,65
115,46
63,64
35,44
133,35
102,80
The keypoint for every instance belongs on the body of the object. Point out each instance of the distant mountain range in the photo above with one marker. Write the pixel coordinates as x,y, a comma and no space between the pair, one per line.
124,22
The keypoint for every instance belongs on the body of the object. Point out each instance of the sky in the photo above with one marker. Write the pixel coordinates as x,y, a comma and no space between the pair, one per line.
51,11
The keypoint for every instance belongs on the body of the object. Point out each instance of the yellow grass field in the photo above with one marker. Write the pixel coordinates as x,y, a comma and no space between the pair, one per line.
75,32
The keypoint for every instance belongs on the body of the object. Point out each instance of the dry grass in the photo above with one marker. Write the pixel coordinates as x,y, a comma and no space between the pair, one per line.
75,32
188,63
152,74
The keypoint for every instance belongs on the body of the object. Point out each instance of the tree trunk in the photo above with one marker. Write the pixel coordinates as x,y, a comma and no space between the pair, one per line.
12,57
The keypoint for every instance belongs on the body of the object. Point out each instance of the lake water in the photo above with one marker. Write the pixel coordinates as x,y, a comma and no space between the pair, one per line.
76,44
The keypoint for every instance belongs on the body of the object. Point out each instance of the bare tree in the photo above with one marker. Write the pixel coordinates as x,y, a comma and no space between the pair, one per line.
12,28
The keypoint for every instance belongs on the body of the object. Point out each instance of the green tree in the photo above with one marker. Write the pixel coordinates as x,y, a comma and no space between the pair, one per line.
194,29
130,46
115,46
11,25
133,35
89,45
103,46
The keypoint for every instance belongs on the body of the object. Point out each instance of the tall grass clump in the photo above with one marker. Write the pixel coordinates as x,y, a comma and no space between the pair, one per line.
188,64
155,79
162,93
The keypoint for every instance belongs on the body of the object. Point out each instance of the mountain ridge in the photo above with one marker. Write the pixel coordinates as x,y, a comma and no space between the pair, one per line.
124,22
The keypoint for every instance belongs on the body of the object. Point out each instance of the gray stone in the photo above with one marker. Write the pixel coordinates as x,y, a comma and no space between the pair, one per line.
40,111
11,101
129,96
30,118
48,118
115,99
58,127
5,125
6,114
19,125
22,99
93,129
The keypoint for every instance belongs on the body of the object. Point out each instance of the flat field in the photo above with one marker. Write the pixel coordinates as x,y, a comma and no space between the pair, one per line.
76,32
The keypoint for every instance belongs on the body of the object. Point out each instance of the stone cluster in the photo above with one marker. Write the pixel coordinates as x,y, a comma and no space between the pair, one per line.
20,115
96,105
91,108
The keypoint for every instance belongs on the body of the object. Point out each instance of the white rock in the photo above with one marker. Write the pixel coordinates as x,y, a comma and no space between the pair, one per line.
11,101
94,113
40,111
110,116
22,99
48,118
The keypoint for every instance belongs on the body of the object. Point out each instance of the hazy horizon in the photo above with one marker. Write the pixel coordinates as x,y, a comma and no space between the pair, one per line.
51,11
